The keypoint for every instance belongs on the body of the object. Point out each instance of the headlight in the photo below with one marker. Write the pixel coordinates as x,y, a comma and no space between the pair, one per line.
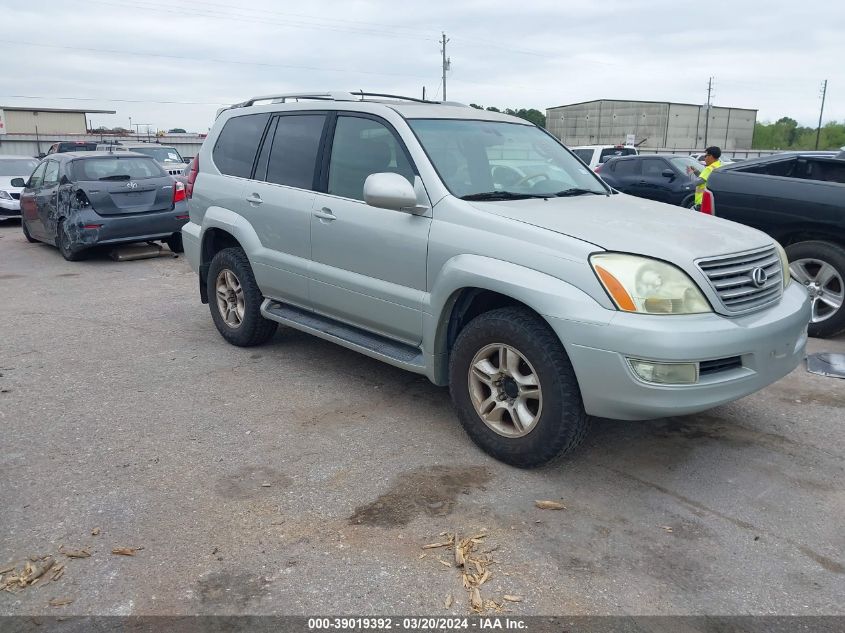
649,286
784,262
4,195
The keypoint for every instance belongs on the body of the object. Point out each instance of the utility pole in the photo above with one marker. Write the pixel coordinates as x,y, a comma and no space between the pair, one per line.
707,110
447,63
821,112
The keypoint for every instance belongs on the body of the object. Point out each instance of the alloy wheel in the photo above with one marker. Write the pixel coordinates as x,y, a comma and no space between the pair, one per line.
824,284
230,298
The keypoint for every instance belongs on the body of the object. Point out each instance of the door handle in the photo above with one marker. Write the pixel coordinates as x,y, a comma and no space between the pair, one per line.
325,214
254,199
642,182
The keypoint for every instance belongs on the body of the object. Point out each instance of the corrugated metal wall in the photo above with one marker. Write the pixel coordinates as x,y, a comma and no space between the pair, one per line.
665,125
28,145
25,122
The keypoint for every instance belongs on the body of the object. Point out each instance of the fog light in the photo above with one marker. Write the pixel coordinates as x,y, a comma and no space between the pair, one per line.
665,373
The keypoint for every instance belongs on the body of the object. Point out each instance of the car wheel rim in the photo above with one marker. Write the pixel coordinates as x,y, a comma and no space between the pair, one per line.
505,390
823,283
230,298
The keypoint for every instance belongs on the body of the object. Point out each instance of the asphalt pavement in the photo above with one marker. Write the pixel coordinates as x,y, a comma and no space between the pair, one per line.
303,478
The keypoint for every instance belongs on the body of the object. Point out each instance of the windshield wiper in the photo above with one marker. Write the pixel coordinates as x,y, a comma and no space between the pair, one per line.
577,191
116,177
501,195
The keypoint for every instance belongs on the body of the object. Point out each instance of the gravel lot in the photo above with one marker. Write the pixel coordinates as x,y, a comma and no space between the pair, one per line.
302,478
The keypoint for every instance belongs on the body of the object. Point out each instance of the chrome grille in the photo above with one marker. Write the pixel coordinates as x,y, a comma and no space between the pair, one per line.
731,278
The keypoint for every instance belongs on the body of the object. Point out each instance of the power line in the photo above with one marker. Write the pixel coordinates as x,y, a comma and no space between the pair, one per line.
201,59
233,15
214,103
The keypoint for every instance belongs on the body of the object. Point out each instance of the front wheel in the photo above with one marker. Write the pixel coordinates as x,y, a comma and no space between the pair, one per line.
514,388
235,300
26,233
820,266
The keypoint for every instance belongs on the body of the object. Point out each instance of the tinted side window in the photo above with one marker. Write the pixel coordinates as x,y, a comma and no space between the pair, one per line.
653,167
777,168
37,176
626,167
584,154
362,147
293,156
609,152
51,176
234,151
825,170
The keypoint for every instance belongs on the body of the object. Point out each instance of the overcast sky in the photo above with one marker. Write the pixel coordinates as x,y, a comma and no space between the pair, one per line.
769,55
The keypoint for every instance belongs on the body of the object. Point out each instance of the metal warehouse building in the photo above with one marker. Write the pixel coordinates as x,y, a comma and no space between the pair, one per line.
46,120
652,124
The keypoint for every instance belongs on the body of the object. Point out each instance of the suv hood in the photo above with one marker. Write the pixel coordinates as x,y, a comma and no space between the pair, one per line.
632,225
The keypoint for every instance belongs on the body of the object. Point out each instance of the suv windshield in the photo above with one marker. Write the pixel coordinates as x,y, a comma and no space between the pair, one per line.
17,166
688,166
115,168
474,158
161,154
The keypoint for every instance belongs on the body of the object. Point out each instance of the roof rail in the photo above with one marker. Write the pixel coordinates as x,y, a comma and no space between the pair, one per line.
363,94
333,95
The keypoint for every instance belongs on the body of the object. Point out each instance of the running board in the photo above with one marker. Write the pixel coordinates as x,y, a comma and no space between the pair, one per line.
372,345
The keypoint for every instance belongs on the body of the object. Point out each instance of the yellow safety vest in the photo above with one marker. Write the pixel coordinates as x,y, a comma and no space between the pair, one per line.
705,174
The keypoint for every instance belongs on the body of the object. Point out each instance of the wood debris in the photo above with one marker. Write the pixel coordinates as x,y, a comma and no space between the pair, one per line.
126,551
32,572
512,598
668,528
60,602
474,567
95,532
74,553
57,571
549,505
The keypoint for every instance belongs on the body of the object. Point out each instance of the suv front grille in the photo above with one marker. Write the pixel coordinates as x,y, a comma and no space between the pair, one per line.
731,278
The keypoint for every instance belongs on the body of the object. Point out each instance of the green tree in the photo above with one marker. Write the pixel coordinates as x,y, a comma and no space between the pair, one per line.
785,134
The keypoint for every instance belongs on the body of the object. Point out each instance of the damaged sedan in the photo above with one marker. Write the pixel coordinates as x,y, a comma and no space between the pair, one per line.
79,200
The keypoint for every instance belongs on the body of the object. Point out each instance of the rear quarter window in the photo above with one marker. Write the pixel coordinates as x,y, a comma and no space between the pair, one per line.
115,168
235,149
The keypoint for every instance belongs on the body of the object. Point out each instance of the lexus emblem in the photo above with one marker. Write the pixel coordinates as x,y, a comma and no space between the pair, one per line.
759,277
132,185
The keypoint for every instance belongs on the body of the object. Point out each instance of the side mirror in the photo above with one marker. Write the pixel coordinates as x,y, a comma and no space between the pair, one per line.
18,182
387,190
668,173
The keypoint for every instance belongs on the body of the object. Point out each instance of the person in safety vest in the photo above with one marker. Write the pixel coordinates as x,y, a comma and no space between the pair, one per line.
711,160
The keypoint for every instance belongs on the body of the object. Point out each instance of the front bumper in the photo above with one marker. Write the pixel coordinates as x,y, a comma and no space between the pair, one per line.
10,208
770,344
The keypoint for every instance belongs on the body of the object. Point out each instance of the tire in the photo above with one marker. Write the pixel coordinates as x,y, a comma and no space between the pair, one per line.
688,203
560,422
820,266
63,242
174,243
26,234
245,327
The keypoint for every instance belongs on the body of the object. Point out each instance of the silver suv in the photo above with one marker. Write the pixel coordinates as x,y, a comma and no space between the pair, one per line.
472,247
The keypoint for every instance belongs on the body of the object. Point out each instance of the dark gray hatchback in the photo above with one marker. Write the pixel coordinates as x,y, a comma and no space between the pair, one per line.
78,200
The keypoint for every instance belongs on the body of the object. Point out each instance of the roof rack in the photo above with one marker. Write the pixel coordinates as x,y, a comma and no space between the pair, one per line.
333,95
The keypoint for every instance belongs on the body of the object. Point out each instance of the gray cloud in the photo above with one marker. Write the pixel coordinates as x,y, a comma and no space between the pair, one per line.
771,56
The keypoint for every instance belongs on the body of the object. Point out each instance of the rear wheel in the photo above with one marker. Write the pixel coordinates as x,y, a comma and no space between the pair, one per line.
235,300
514,389
820,266
63,241
26,234
174,243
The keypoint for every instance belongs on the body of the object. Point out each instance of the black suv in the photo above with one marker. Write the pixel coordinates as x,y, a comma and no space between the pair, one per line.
799,199
661,177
